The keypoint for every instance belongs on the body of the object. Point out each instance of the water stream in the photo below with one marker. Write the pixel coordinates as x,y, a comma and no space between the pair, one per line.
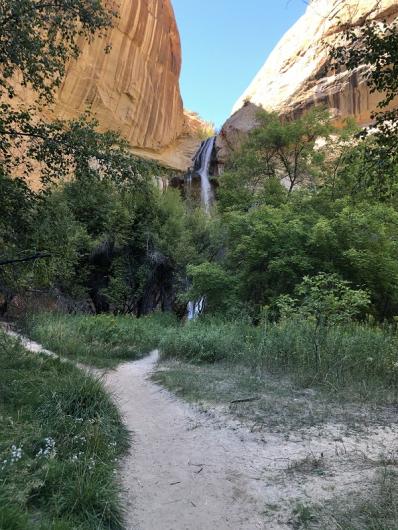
202,162
202,167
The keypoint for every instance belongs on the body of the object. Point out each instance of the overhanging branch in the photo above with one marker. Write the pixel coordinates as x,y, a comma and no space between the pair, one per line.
27,258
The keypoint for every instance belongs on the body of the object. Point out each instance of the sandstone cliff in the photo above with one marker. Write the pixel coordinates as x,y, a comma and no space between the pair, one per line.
297,74
134,89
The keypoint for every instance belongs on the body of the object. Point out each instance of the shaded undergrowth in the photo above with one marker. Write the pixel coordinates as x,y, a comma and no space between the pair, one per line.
61,438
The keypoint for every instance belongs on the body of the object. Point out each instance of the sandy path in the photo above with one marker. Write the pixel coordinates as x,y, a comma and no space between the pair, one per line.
191,470
184,473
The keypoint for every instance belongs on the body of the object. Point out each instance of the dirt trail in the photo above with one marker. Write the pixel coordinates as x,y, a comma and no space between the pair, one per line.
196,470
184,472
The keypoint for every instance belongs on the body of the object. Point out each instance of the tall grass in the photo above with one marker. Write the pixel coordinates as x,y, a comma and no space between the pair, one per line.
101,340
346,355
60,439
354,355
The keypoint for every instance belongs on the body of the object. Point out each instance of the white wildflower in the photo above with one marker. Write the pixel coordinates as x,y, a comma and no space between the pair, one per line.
49,450
16,453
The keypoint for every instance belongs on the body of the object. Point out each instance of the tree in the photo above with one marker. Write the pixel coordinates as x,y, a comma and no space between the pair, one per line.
374,48
213,283
39,37
329,299
280,154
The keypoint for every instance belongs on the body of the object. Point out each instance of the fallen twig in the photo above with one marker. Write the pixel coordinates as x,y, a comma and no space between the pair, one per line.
244,400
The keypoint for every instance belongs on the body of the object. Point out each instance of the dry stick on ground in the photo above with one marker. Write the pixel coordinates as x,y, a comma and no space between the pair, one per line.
244,400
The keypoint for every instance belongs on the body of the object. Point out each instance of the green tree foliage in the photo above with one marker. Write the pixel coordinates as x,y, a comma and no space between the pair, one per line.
212,281
326,298
108,233
278,154
38,37
340,226
271,249
374,47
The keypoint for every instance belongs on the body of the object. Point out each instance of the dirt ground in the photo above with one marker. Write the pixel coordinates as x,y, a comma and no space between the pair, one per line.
197,468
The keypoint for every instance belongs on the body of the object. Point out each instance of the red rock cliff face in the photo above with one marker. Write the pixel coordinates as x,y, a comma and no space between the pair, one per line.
297,75
134,89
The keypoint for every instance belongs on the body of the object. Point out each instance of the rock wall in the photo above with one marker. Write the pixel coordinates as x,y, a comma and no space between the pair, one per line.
134,89
297,75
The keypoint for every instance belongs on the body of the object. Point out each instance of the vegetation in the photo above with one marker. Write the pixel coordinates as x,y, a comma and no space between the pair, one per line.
373,47
61,437
102,340
297,267
376,511
343,357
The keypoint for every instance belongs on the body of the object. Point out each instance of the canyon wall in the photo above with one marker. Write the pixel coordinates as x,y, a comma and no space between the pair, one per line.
297,75
134,89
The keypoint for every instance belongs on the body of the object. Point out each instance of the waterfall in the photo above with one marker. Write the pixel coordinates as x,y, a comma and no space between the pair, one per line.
195,308
202,163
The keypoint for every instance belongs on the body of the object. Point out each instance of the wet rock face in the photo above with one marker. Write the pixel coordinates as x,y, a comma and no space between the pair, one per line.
297,75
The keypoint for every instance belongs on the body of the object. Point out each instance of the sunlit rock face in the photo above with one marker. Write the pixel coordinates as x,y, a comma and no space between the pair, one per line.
297,75
134,89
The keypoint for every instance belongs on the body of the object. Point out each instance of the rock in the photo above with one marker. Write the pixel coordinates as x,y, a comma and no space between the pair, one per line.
134,89
297,75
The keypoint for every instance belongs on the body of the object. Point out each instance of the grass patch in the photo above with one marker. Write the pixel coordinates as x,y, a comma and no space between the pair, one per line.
103,341
61,438
376,509
280,404
358,358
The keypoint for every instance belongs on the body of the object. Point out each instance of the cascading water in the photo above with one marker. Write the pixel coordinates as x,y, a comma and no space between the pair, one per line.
202,163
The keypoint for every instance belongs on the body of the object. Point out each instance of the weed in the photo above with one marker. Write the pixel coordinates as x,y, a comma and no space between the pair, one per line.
375,509
303,516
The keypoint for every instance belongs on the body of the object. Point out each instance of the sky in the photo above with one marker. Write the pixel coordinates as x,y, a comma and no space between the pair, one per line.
224,45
